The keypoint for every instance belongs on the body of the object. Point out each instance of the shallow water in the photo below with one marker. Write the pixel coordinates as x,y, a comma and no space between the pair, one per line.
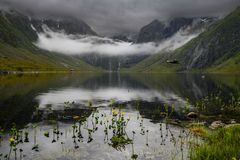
144,98
166,143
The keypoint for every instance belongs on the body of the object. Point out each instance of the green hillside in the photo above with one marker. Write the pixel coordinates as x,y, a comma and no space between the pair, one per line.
17,52
22,59
154,63
215,50
227,66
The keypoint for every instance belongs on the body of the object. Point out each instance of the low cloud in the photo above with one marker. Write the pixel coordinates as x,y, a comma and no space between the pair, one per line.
78,44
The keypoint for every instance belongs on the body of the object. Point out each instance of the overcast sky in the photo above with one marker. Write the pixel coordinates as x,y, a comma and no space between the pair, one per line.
115,16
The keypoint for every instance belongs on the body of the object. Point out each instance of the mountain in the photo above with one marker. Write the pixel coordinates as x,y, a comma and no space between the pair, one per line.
127,37
215,50
17,52
68,25
157,31
151,32
16,30
122,38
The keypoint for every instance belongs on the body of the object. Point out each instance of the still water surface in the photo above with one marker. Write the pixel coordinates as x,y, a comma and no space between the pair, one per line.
52,100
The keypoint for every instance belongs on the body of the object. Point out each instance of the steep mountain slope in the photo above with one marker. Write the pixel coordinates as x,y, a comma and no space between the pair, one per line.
15,30
68,25
162,37
151,32
157,31
217,49
17,52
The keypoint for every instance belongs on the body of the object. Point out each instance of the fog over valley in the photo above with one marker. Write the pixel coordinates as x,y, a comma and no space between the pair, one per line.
81,44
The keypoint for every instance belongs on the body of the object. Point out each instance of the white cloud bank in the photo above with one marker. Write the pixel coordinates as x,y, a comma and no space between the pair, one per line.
78,44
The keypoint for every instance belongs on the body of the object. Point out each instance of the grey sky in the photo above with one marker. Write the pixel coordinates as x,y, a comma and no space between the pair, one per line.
116,16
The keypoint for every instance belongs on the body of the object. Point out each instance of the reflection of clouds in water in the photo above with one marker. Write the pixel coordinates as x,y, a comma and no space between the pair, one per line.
98,148
81,96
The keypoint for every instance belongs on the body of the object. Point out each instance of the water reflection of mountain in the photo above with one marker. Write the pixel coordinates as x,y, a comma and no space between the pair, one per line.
191,86
113,80
18,93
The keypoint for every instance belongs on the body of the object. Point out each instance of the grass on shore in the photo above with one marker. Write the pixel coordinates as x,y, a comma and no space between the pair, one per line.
221,144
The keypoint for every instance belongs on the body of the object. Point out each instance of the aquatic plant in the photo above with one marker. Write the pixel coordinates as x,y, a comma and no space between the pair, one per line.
147,137
218,103
118,126
134,156
26,139
119,141
46,134
114,123
13,141
89,103
34,126
90,135
114,112
1,135
79,130
112,102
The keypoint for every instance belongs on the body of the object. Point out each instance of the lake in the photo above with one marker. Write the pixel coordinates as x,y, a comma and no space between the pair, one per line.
111,115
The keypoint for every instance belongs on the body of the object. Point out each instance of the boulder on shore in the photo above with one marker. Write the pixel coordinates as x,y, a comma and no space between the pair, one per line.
216,125
192,115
